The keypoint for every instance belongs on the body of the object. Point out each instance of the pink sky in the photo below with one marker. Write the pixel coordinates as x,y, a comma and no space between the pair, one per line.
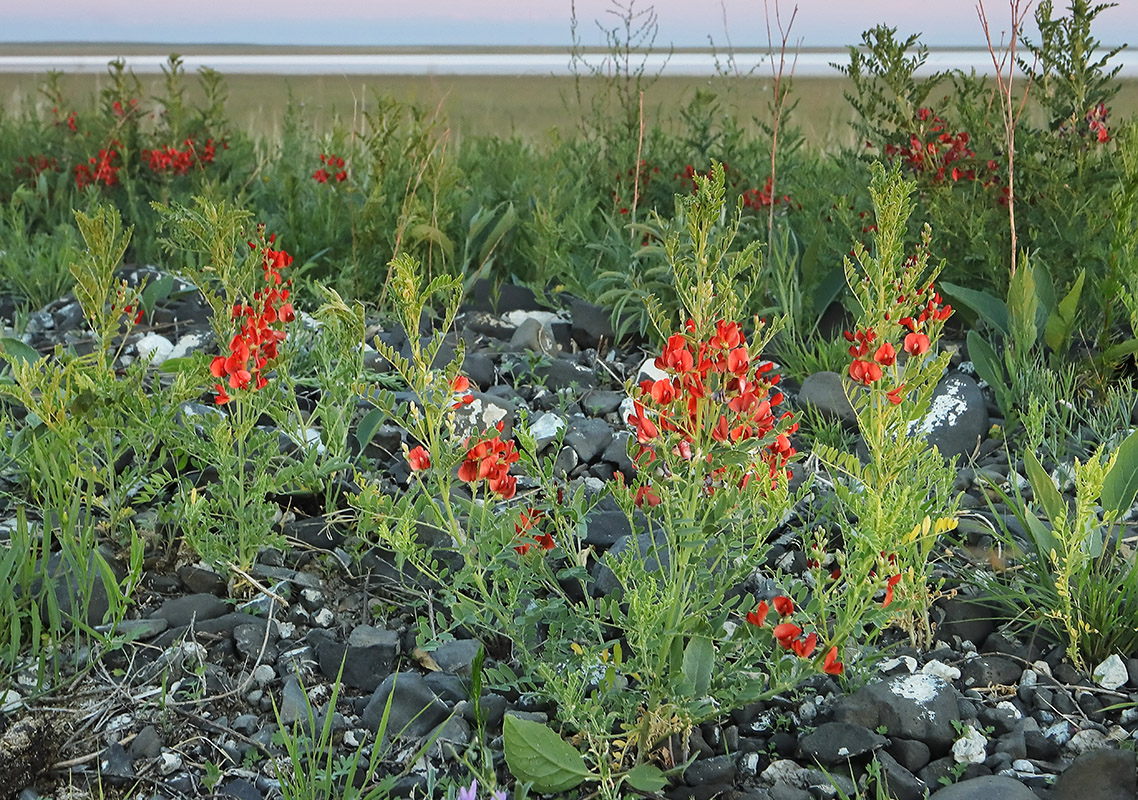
505,22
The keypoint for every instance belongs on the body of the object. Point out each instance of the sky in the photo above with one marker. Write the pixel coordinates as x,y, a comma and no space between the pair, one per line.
820,23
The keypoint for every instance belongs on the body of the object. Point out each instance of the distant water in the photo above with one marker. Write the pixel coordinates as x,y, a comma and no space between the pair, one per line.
814,63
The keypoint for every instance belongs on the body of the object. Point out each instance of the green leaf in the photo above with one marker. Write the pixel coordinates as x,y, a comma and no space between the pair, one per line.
182,364
990,308
1043,538
369,425
1121,483
13,349
699,656
1061,321
157,290
1045,491
988,365
537,755
1023,306
646,778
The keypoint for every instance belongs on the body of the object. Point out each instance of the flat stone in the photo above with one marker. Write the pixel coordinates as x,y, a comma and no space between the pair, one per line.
989,671
919,706
456,656
180,611
987,787
415,708
957,419
1099,775
825,393
589,437
837,742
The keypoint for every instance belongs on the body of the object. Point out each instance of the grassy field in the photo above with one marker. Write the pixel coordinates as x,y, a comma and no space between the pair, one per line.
499,105
526,106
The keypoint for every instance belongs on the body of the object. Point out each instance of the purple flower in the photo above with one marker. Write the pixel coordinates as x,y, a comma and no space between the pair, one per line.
470,792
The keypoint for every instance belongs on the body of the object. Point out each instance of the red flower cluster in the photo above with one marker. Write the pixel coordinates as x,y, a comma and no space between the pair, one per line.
99,169
490,459
72,120
121,110
170,159
934,152
762,198
867,370
31,166
1096,123
527,520
634,182
742,394
790,636
261,330
331,162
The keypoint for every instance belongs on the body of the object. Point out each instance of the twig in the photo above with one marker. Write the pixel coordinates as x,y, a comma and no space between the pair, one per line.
1010,114
776,74
636,179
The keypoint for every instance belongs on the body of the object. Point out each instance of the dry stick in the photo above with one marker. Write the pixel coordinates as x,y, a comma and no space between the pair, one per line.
1010,115
636,179
778,101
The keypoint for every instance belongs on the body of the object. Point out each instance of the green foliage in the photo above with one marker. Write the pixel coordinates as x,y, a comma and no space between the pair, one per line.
1078,581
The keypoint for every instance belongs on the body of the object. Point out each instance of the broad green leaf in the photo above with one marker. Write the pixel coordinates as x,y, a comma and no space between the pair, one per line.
157,290
699,656
1061,321
646,778
1121,483
369,425
988,366
1043,538
1045,490
14,349
536,754
990,308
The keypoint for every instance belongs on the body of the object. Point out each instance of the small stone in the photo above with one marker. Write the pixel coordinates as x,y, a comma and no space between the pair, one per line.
154,348
1111,673
940,670
168,763
546,429
1088,740
970,748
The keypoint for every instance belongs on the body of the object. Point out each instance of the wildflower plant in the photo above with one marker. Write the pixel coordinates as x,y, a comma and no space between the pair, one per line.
240,275
889,502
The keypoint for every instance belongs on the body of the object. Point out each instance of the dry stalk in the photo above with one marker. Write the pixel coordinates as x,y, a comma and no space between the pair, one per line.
779,101
1009,113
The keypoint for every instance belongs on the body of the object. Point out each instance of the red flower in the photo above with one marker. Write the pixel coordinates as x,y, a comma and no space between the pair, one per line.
865,372
804,648
885,355
759,615
889,584
645,495
831,665
786,633
419,459
646,429
320,176
784,606
916,344
894,395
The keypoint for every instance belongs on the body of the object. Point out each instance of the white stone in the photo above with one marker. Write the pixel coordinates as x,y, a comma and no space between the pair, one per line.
546,428
1087,740
1042,668
515,318
169,762
1111,673
971,748
324,618
938,669
1009,707
1024,766
786,772
890,664
154,348
649,370
10,701
186,344
1029,678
